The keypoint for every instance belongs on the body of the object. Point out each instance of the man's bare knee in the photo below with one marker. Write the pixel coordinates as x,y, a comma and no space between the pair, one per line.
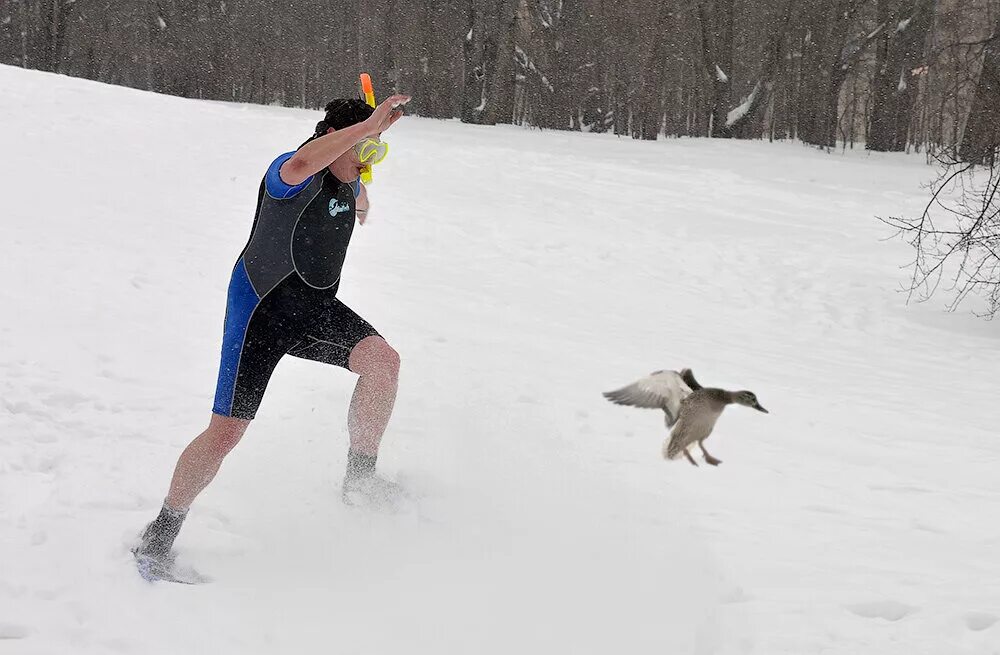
374,357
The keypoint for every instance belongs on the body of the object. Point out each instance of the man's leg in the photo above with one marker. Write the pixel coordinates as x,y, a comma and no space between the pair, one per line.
377,366
341,337
195,468
202,458
256,335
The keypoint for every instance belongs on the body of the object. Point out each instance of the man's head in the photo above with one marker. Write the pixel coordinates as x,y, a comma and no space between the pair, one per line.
342,113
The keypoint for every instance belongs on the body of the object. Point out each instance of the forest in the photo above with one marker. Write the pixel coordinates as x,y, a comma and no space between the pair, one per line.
889,75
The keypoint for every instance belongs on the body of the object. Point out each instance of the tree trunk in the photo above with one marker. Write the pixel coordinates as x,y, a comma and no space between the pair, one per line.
443,66
817,97
899,52
720,66
829,56
648,115
559,30
749,123
49,35
374,41
474,77
981,139
498,57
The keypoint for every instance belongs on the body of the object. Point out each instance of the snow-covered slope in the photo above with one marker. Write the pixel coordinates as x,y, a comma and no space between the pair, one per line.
520,274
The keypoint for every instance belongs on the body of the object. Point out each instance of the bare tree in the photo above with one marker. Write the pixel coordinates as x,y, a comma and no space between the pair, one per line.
716,32
489,61
817,70
744,121
982,131
474,56
899,55
834,37
957,237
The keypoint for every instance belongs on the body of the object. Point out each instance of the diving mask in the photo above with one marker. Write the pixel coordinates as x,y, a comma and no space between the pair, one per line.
371,151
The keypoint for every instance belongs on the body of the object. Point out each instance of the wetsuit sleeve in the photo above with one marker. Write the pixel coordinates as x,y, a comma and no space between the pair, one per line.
276,188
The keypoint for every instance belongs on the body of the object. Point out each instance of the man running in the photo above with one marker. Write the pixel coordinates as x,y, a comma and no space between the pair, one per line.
283,300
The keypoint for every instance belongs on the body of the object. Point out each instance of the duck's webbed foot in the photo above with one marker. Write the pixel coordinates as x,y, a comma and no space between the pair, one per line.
708,458
689,458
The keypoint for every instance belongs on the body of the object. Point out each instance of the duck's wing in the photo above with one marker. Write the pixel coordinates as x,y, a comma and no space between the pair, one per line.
688,376
661,390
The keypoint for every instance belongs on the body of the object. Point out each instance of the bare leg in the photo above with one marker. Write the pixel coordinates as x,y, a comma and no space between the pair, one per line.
377,366
708,458
689,458
201,460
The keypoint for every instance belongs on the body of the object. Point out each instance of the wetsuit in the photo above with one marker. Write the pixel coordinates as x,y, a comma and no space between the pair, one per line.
283,291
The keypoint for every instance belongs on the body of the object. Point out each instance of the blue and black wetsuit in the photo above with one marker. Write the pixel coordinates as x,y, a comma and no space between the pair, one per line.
283,292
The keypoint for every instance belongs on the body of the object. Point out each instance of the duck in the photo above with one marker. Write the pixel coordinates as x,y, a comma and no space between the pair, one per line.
691,410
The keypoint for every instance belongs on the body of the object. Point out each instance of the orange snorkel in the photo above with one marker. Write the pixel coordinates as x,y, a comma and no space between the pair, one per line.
368,91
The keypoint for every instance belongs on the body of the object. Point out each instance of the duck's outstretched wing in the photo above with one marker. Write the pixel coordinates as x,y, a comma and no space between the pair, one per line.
688,376
661,390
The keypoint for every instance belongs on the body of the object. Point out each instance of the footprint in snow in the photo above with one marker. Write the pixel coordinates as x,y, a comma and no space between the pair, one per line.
13,631
822,509
64,399
890,610
979,621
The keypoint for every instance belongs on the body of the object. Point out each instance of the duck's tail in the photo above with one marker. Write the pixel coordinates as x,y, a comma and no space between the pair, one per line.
672,449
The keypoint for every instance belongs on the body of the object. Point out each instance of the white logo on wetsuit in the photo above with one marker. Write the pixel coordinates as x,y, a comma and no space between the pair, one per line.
338,207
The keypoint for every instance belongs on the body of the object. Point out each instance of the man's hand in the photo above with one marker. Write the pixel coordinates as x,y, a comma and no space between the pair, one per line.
387,113
361,205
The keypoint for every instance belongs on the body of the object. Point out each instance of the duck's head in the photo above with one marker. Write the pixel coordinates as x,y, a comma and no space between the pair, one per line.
749,399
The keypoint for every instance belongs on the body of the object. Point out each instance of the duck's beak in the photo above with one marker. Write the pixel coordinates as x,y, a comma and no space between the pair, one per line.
760,409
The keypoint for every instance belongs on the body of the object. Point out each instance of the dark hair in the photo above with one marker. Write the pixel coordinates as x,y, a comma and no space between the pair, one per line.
341,113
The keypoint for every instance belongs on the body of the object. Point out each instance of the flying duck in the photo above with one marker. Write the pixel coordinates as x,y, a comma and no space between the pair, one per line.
691,409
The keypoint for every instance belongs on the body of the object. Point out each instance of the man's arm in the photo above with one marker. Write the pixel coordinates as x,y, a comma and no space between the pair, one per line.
361,204
320,153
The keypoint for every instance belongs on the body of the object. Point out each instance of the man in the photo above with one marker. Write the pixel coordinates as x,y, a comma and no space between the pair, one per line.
283,300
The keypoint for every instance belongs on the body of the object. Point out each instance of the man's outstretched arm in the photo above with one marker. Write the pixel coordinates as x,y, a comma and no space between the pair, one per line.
320,153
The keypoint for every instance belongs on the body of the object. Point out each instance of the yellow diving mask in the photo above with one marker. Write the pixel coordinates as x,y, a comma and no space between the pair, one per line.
371,151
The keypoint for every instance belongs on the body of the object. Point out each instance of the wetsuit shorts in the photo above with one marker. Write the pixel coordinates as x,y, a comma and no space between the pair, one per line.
292,319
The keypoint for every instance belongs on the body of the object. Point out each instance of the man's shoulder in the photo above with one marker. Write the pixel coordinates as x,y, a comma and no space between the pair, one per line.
278,188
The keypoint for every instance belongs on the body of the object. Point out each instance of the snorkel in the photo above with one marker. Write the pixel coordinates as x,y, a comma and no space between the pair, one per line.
368,93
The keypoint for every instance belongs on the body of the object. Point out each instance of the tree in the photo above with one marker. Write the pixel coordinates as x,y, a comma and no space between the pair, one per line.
899,53
717,57
832,45
742,121
489,57
647,110
982,131
957,237
817,70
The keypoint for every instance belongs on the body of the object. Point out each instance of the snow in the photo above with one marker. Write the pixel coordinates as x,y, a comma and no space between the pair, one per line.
482,102
529,64
520,274
741,111
871,35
